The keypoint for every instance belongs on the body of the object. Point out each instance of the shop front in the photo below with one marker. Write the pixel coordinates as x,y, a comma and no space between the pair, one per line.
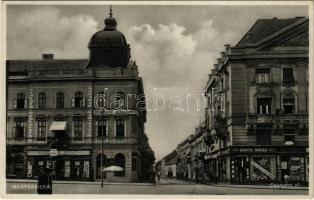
65,165
259,165
15,162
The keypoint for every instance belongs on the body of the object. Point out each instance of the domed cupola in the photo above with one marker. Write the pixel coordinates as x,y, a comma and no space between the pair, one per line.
108,47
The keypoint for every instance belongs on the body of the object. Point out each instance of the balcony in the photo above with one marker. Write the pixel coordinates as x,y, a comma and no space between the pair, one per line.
82,140
269,118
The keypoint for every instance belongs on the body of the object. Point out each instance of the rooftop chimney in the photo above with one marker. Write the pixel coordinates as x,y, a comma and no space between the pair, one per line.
47,56
227,46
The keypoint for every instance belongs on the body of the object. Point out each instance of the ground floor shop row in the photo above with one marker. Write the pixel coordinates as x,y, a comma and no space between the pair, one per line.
251,165
80,165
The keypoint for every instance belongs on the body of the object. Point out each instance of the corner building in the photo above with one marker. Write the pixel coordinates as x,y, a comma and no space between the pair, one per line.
257,113
52,119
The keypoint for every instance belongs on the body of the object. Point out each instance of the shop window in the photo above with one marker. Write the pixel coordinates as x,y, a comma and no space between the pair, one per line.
42,100
120,161
263,137
287,75
101,127
263,169
288,105
86,169
19,129
262,75
78,100
60,100
120,123
263,106
20,101
41,134
304,130
78,130
67,169
120,100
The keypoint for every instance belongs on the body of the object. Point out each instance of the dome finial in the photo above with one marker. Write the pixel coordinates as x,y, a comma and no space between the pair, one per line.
110,22
110,13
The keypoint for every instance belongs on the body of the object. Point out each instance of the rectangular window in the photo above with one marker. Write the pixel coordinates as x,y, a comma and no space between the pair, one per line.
60,100
264,106
120,127
20,101
263,137
42,100
262,75
287,75
19,129
288,105
101,127
41,130
78,130
78,101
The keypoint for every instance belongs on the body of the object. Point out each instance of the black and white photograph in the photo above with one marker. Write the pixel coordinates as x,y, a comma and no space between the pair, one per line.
157,98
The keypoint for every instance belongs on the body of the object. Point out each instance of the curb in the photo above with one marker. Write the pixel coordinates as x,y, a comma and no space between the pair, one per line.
78,182
241,186
260,187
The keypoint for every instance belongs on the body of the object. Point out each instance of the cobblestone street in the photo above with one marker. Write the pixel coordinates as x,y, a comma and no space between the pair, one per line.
165,187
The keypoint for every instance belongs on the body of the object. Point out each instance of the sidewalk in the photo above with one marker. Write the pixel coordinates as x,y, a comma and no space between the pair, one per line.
270,186
77,182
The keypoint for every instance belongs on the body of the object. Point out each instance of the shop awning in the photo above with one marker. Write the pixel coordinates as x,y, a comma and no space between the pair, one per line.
58,126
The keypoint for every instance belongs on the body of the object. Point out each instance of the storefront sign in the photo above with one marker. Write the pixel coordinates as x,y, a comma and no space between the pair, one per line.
253,150
59,153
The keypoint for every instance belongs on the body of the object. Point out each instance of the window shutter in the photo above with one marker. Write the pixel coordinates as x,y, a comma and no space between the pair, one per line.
15,103
25,103
73,102
83,103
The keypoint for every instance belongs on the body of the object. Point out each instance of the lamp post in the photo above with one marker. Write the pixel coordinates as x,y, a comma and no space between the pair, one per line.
102,147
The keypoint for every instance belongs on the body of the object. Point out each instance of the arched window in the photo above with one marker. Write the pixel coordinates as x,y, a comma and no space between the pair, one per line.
60,100
78,101
120,100
42,100
119,160
20,100
98,165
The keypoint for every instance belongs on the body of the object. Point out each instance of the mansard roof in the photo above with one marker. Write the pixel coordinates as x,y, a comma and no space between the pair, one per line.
264,28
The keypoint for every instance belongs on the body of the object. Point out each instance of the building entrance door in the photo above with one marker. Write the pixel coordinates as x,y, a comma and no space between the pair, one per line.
59,169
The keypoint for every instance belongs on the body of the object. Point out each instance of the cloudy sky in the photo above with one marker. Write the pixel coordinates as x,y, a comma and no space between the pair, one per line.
174,46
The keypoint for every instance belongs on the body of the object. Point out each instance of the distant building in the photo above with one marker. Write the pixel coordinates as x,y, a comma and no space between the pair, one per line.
257,114
168,165
54,117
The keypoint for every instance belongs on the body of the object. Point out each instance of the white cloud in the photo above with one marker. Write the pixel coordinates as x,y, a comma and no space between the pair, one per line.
176,63
66,37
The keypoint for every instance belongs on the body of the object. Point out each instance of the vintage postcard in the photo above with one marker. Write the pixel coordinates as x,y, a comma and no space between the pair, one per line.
157,98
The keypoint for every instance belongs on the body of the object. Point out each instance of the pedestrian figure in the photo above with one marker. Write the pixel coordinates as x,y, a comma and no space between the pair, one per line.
44,185
158,176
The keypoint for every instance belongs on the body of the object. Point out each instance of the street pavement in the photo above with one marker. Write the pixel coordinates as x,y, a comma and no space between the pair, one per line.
163,187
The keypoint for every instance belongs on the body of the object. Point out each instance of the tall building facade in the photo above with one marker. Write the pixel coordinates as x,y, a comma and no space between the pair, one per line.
257,113
64,114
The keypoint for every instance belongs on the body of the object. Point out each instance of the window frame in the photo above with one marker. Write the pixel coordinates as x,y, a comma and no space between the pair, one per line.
117,121
60,100
78,99
78,127
41,128
42,100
